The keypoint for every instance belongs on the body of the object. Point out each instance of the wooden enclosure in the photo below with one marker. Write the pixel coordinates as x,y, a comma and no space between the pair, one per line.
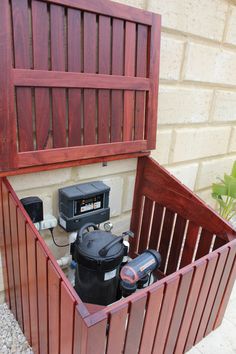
79,84
196,277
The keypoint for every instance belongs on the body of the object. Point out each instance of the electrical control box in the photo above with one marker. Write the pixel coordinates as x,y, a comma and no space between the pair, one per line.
83,203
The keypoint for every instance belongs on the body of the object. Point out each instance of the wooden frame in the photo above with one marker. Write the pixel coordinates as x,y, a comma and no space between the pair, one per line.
196,276
66,95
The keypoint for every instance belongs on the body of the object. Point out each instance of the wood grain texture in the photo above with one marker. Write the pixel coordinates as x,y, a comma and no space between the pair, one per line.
90,66
104,65
204,244
8,245
165,315
16,259
21,37
8,146
135,325
3,252
40,32
141,71
146,224
53,309
129,96
117,99
166,237
42,287
33,296
156,226
21,226
151,319
117,330
58,64
190,244
74,65
67,303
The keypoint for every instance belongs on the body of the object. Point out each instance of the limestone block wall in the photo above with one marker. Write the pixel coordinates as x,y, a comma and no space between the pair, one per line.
196,138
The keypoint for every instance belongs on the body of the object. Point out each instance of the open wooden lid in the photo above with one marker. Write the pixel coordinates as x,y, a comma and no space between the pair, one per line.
78,80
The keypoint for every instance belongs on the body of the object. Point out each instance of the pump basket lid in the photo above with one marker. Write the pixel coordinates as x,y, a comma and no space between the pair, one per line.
87,251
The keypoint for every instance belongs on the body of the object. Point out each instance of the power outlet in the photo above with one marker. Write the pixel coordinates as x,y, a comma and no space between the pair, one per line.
48,222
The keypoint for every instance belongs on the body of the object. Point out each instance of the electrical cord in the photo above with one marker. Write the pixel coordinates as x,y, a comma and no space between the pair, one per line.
51,230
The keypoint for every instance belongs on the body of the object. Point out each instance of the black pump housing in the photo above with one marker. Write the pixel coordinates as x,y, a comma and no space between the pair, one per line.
99,255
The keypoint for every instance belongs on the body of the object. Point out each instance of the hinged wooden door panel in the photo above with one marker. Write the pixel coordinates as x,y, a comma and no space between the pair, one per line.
78,80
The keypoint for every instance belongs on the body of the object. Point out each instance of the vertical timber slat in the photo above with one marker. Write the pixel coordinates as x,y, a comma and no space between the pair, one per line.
74,65
190,244
90,60
166,236
24,273
67,304
40,28
58,64
21,35
117,103
146,222
42,286
16,259
53,309
117,330
130,41
32,274
104,68
135,325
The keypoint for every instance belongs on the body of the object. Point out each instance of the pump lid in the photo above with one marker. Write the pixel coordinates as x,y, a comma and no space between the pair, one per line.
92,243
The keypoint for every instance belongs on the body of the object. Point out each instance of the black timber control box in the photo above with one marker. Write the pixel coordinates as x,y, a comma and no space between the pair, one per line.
83,203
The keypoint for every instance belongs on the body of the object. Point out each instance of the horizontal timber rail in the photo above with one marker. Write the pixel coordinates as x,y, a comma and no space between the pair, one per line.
42,78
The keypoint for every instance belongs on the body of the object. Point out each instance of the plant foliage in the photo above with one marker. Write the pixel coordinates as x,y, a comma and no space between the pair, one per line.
224,193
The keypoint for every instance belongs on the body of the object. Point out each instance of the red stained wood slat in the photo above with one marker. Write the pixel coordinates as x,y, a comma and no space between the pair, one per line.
204,244
129,96
33,297
165,315
176,244
24,273
16,259
151,319
190,244
202,297
156,226
58,64
221,289
67,303
77,333
21,37
8,245
135,325
212,294
8,147
104,64
74,65
151,121
146,224
117,330
42,286
90,62
166,236
3,252
198,277
40,28
117,102
226,296
53,309
137,208
178,312
141,71
94,334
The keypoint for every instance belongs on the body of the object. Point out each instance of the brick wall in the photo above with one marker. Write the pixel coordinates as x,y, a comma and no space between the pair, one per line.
196,138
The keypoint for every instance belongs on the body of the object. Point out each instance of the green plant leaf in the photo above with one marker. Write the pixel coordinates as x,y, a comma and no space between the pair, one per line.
233,173
232,189
219,189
